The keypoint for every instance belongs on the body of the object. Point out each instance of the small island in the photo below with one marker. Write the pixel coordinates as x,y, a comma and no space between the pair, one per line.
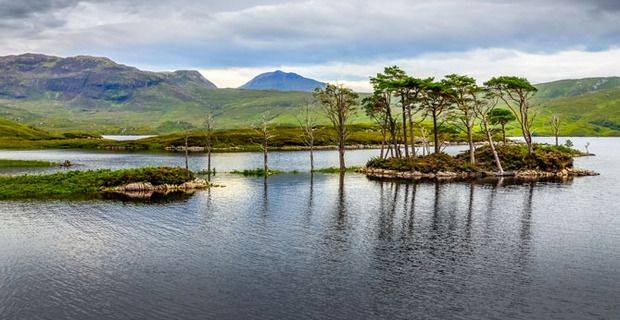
544,162
139,183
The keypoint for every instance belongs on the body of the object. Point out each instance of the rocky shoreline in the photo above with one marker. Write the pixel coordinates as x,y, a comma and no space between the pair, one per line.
448,175
146,189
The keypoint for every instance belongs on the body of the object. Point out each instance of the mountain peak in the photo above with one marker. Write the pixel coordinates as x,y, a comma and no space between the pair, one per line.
282,81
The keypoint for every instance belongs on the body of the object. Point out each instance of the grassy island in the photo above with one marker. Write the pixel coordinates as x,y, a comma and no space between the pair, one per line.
75,184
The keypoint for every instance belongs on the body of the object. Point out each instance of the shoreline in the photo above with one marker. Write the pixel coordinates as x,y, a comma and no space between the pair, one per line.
525,174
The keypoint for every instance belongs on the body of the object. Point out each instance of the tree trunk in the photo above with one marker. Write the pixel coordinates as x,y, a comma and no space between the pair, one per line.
504,133
312,157
402,101
498,163
186,155
341,152
209,162
435,133
411,133
265,165
470,140
556,140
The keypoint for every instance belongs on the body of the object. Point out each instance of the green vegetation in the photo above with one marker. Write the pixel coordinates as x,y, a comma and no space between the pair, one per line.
258,172
85,183
9,129
5,163
432,163
513,156
336,170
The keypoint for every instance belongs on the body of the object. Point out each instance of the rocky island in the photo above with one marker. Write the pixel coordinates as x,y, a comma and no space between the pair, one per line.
545,162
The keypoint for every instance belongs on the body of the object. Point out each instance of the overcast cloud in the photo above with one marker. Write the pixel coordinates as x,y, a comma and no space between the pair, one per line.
343,40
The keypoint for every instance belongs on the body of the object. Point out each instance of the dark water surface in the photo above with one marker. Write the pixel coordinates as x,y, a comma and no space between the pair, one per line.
302,248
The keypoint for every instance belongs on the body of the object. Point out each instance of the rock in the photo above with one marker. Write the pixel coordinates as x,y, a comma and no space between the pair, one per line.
149,188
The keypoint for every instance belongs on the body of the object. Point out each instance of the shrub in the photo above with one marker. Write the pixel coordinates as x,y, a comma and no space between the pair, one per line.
427,164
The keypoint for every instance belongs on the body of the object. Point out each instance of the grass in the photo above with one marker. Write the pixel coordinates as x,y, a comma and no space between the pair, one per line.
85,183
336,169
258,172
6,163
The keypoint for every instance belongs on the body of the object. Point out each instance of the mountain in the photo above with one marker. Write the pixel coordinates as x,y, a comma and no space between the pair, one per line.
97,95
282,81
84,78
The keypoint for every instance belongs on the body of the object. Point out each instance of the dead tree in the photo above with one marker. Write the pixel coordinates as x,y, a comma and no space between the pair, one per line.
555,127
263,131
307,120
209,132
339,103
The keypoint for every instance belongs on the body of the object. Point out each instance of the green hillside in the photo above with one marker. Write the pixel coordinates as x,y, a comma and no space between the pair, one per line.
586,107
9,129
571,88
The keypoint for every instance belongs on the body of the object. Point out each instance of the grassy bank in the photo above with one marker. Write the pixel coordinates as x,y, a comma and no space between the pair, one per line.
513,156
6,163
284,138
85,183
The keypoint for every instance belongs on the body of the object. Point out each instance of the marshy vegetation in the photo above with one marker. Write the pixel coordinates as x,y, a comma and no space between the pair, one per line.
7,163
87,183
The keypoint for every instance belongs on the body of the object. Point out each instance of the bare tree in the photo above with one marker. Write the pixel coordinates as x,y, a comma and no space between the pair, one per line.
483,105
308,123
209,132
555,127
263,131
339,104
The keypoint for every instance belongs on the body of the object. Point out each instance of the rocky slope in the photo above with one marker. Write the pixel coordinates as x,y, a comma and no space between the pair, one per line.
85,77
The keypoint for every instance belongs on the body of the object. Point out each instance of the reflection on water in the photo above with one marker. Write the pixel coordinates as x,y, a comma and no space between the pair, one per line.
302,246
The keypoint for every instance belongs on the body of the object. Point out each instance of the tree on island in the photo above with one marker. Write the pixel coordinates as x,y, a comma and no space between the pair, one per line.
516,92
436,99
483,104
408,90
375,107
307,120
209,133
462,88
555,127
501,117
379,107
339,103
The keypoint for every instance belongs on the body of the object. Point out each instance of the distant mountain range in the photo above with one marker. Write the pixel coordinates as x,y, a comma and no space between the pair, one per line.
84,78
97,95
282,81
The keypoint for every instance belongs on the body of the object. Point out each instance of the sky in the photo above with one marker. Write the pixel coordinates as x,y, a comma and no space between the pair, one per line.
343,41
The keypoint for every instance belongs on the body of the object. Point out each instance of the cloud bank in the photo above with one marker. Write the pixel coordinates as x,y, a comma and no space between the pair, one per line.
331,40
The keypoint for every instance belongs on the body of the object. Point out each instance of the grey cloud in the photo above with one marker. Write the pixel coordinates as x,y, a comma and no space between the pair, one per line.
255,33
15,9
